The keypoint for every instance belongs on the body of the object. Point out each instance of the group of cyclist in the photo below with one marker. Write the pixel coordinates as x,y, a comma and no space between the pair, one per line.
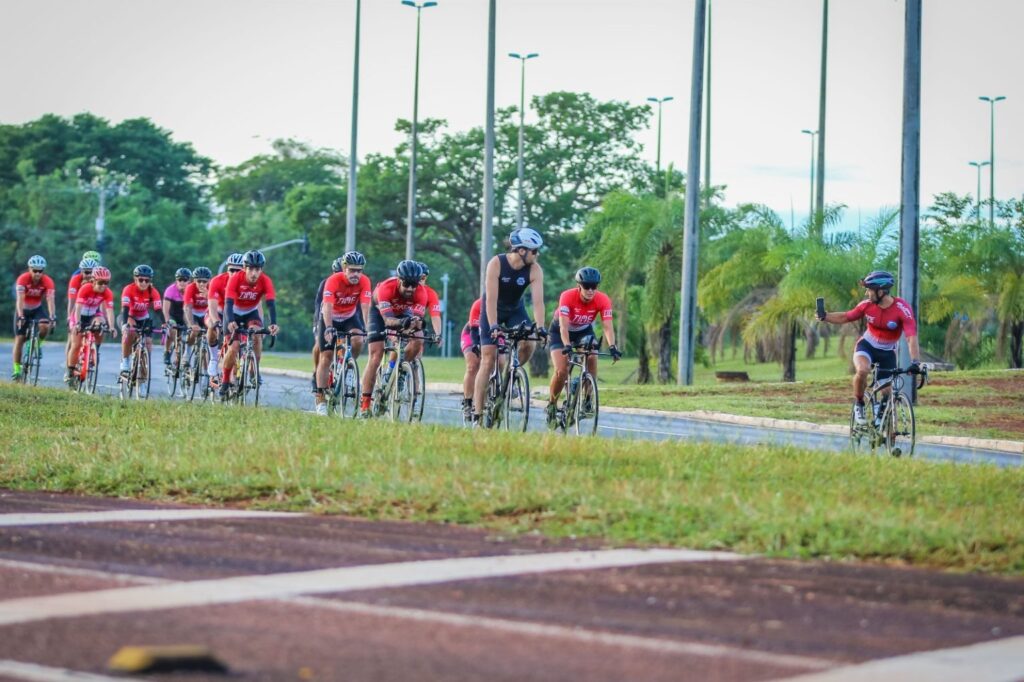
347,305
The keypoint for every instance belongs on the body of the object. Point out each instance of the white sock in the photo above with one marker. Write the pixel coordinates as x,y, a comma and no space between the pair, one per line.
126,363
214,354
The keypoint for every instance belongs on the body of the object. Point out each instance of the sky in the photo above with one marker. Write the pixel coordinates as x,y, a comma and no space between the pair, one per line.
231,75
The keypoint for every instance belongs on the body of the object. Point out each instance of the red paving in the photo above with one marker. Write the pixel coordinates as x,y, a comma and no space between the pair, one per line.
838,612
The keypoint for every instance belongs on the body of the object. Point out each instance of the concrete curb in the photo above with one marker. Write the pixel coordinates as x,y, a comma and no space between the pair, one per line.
1009,446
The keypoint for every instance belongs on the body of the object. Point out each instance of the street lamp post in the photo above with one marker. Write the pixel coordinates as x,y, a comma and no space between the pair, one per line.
659,102
977,196
410,249
444,312
487,224
350,215
522,111
992,155
812,133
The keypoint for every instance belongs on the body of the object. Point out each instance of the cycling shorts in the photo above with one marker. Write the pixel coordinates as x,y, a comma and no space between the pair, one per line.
555,336
509,317
351,324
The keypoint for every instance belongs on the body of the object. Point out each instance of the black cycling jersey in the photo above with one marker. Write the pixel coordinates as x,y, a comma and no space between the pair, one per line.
511,283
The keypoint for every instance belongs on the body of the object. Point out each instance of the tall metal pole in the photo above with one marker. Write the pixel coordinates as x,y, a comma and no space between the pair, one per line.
350,213
522,116
410,221
819,205
101,219
444,311
707,116
488,217
992,156
691,227
659,101
810,215
977,196
911,176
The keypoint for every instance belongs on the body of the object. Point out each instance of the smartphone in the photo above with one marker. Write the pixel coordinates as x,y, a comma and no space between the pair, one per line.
821,308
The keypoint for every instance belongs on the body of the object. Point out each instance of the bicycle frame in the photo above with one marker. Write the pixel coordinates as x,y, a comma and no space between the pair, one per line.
497,403
89,358
570,411
342,349
890,415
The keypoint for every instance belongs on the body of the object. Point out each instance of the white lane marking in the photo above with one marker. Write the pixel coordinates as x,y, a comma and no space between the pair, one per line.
533,629
79,572
999,661
133,515
39,673
332,580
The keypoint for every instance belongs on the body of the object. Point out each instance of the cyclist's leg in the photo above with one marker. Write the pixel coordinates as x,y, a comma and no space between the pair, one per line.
514,318
326,357
862,359
20,334
127,340
358,325
471,353
560,362
375,338
488,356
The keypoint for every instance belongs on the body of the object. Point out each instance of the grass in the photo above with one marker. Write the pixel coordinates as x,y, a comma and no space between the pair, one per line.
780,501
982,403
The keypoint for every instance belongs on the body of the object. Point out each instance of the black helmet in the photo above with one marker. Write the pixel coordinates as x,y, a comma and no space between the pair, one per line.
254,259
588,275
182,273
142,271
202,273
353,258
337,264
409,271
879,279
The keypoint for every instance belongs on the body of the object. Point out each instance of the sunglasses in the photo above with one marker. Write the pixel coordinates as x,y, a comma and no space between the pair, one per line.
534,251
410,285
86,273
355,271
232,271
37,272
589,287
181,279
202,281
103,282
143,280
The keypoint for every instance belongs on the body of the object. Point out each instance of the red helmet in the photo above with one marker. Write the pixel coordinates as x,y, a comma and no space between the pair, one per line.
101,274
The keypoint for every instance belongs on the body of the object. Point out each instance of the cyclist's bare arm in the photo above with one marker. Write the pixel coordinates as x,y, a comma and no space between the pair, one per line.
609,331
51,304
491,289
537,294
19,304
915,347
563,329
836,318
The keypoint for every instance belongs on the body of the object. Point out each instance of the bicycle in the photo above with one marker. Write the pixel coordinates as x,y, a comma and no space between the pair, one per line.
137,382
31,355
891,423
195,376
86,373
343,378
245,390
581,405
507,402
394,387
172,372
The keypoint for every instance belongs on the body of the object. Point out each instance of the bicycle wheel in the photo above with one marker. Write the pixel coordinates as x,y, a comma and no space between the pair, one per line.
899,426
350,389
127,383
249,391
587,406
401,400
419,389
92,370
492,406
201,378
860,436
144,375
334,390
516,406
171,371
35,357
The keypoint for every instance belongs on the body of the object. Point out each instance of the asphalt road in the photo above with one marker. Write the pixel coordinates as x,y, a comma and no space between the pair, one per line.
444,408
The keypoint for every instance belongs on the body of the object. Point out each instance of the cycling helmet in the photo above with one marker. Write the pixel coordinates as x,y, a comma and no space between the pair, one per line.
142,271
182,273
879,279
95,255
101,274
525,238
409,272
202,273
88,264
235,260
337,264
254,259
588,275
353,258
424,268
37,262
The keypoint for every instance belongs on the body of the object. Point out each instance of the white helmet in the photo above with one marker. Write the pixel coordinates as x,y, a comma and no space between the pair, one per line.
525,238
37,262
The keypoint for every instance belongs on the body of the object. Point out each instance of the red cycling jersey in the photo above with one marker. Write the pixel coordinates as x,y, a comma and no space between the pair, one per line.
390,301
138,301
885,324
247,296
345,297
197,299
89,301
474,314
581,313
74,284
217,288
433,302
34,291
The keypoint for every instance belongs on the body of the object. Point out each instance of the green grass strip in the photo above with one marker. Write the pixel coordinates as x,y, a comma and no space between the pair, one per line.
780,501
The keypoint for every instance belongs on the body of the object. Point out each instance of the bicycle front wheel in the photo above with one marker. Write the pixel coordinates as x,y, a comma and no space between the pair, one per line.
171,372
860,439
249,393
587,405
419,389
899,427
516,415
35,358
402,394
350,389
143,375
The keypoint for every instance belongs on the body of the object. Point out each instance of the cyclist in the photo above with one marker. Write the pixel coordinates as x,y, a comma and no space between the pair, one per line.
245,291
318,323
136,301
174,308
433,302
471,352
505,280
93,302
90,259
577,309
30,289
887,318
196,301
215,302
346,305
398,302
